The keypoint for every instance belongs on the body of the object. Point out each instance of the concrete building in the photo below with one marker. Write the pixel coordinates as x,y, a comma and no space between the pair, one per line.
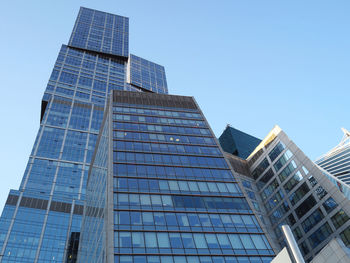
285,187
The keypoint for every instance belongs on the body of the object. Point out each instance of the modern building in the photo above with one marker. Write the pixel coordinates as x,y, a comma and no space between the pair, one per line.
285,187
337,160
237,142
41,220
159,189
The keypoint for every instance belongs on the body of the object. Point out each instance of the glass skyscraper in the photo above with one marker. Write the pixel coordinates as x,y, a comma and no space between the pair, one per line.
159,189
43,217
337,160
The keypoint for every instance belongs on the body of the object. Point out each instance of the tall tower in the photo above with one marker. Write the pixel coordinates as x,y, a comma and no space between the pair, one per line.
170,196
337,160
43,217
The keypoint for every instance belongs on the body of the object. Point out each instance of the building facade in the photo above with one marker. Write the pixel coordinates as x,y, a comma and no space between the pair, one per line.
286,187
160,189
41,220
337,160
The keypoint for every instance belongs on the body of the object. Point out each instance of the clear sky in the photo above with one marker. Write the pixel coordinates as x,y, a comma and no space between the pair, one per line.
252,64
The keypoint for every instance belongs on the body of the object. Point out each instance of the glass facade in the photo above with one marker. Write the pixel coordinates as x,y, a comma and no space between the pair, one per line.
237,142
146,75
41,221
101,32
337,161
174,197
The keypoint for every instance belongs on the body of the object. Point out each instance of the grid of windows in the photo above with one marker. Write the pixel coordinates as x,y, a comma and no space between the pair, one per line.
102,32
147,75
174,194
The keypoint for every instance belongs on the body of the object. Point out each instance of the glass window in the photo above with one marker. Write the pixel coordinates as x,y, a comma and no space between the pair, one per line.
265,178
211,241
299,193
187,240
258,242
282,160
125,239
287,171
247,241
312,220
339,219
235,241
163,240
137,239
321,192
200,241
329,204
260,168
345,236
297,177
312,180
305,206
320,235
147,218
223,241
297,233
182,219
276,151
175,240
151,240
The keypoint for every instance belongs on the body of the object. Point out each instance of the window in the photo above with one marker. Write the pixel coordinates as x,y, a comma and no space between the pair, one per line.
282,160
345,236
299,193
297,177
305,206
265,178
320,235
260,168
321,192
329,205
339,219
276,151
312,220
287,171
297,233
312,180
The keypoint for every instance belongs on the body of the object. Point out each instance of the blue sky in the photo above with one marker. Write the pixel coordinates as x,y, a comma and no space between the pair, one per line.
252,64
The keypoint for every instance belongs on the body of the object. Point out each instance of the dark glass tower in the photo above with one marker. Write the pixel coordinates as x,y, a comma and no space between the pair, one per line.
237,142
160,189
41,220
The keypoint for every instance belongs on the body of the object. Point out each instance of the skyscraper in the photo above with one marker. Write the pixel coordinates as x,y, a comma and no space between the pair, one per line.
160,189
43,217
199,213
337,160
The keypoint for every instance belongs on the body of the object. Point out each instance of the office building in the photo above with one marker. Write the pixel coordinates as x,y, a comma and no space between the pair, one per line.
163,156
285,187
337,160
160,190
